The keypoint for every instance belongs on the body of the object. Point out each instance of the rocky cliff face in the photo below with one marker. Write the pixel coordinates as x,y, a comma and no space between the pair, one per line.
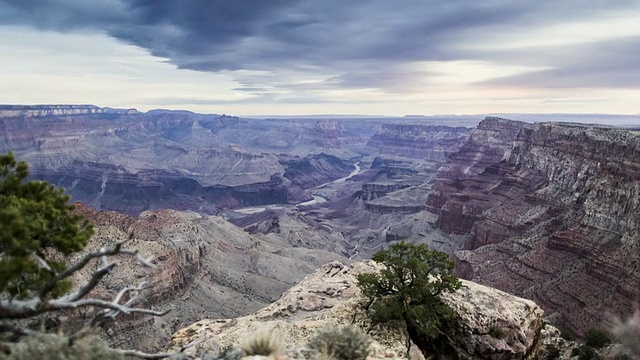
546,211
314,170
331,296
486,146
106,186
555,221
428,142
409,155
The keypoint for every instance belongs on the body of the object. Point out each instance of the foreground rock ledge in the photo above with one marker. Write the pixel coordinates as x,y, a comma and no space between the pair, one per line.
331,296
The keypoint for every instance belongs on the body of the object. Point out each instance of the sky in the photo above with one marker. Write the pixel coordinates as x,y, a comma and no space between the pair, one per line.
286,57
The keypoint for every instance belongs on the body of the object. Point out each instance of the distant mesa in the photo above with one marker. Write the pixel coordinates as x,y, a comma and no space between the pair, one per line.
9,111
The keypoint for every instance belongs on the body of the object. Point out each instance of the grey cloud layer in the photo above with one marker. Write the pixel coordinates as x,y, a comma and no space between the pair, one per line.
355,44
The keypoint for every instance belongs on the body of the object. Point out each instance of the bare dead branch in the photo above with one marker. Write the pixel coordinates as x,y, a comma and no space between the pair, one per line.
108,314
102,254
47,288
177,355
25,309
14,309
43,264
92,283
61,305
137,289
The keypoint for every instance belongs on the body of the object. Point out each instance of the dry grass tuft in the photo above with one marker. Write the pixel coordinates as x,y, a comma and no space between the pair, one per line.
346,343
56,347
261,344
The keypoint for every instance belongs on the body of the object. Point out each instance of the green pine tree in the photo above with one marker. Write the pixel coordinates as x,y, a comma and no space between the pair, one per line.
407,291
37,226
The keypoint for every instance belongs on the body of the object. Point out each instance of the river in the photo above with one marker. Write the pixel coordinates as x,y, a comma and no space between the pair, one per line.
317,199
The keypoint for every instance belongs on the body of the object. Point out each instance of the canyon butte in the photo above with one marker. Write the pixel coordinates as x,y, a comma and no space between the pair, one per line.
237,211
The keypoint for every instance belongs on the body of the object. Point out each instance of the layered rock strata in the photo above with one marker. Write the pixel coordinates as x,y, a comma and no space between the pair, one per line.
555,221
409,155
428,142
486,145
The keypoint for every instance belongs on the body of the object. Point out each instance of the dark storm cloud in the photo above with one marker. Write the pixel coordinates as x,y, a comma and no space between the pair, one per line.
356,44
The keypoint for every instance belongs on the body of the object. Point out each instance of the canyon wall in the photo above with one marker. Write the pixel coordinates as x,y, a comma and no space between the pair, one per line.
554,218
545,211
408,155
427,142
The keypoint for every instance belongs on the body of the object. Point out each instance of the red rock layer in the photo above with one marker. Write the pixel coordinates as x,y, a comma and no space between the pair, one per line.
557,220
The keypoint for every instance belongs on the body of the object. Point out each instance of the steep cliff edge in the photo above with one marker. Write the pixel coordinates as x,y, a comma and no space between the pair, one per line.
331,296
555,221
486,146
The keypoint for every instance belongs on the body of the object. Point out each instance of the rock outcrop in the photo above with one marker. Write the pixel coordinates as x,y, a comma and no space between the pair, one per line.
313,170
556,220
331,296
486,145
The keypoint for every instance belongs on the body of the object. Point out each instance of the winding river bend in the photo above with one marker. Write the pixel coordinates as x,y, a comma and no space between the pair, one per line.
317,199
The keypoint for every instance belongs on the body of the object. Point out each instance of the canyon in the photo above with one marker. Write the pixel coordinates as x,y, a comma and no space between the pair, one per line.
236,211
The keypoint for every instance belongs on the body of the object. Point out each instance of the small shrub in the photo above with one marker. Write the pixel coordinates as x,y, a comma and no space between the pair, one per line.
419,276
261,344
586,352
567,335
346,343
496,332
597,338
56,347
552,353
